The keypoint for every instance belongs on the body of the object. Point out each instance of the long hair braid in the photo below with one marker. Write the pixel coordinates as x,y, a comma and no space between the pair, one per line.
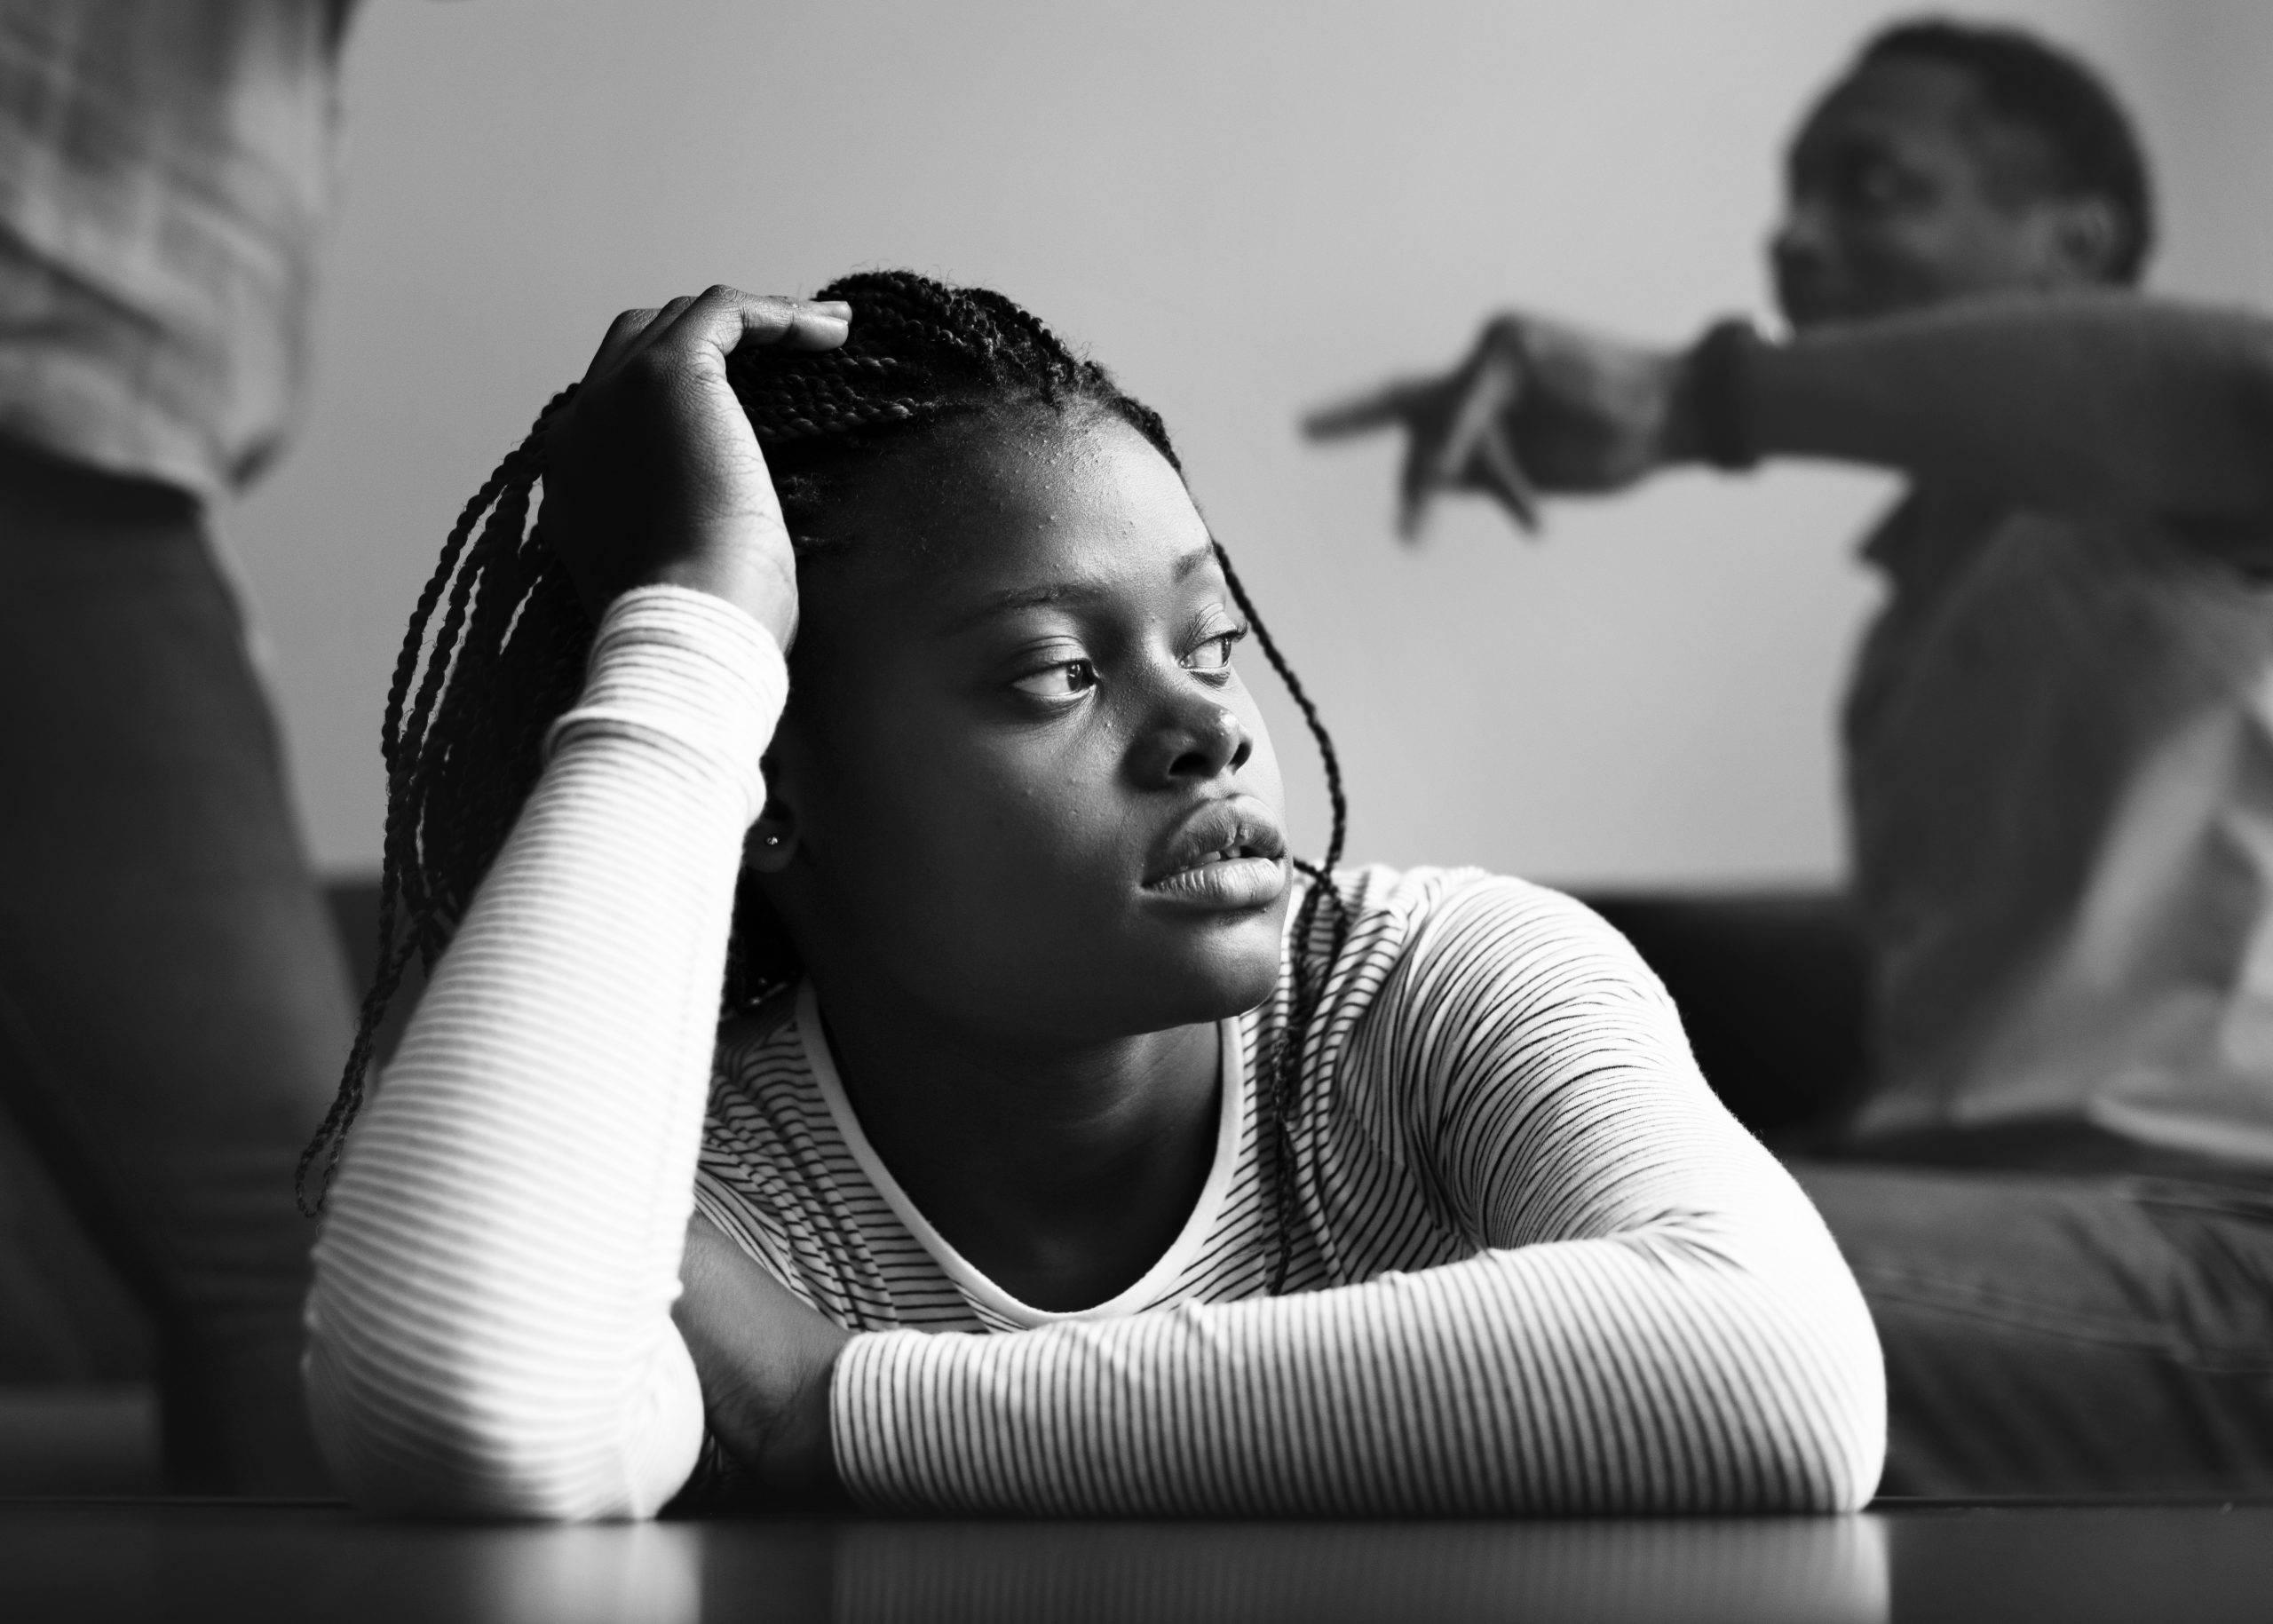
473,694
1306,967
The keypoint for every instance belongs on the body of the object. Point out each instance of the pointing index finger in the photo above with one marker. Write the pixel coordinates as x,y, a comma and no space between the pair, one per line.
1384,407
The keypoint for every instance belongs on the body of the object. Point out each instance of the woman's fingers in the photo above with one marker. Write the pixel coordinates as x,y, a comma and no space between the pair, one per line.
722,318
616,343
818,324
726,318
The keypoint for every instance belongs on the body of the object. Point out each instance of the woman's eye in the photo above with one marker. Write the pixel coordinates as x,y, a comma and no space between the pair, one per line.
1215,653
1062,680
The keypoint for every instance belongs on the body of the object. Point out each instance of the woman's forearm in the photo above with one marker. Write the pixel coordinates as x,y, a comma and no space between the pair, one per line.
1645,1374
2067,401
489,1331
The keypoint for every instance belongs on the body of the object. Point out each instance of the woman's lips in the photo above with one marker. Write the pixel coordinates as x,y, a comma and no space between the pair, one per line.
1225,884
1225,854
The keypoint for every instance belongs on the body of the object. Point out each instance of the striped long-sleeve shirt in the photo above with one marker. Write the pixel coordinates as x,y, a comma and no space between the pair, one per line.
1536,1267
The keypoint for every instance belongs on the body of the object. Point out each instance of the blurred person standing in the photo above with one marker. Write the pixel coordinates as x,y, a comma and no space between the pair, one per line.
173,1003
2058,1192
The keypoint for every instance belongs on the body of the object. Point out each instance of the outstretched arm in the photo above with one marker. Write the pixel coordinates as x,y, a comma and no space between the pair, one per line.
1656,1320
2069,403
2160,410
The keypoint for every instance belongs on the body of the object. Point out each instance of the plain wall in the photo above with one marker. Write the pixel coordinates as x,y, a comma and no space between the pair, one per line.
1243,209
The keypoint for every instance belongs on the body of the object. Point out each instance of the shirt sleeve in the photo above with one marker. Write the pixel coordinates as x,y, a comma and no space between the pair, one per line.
2077,403
489,1331
1655,1319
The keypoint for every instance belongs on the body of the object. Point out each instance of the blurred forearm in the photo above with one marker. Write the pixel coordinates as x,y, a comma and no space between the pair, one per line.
2155,408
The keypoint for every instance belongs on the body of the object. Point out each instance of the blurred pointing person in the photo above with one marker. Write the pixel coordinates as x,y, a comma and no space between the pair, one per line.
2059,747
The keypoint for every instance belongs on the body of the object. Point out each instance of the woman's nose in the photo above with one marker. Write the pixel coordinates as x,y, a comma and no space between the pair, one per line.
1200,741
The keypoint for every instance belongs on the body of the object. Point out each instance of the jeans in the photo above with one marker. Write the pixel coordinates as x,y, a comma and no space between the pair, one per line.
2064,1314
173,1003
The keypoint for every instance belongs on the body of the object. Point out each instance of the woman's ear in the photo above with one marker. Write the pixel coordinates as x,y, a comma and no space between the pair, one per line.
772,841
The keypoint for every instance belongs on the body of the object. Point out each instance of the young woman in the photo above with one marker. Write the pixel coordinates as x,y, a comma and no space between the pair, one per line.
1419,1206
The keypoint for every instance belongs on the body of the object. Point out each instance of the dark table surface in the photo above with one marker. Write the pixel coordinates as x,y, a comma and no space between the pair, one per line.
191,1560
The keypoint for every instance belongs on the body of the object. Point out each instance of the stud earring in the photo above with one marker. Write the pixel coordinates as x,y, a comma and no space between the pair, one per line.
774,840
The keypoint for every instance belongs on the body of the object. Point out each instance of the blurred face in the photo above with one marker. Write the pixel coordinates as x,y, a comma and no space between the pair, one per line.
1025,783
1903,191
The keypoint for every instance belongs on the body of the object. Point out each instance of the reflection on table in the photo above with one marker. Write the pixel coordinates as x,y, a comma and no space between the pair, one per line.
188,1560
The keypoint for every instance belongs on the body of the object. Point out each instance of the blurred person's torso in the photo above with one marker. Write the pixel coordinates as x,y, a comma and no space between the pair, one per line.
2060,778
163,171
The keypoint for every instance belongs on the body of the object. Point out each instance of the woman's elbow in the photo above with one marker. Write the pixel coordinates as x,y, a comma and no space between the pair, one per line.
1783,1342
1828,1460
426,1442
1820,1435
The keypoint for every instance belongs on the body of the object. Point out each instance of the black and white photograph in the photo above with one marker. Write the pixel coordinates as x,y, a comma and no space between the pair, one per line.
1055,810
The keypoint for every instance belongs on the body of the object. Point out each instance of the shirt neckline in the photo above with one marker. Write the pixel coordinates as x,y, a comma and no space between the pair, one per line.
982,1292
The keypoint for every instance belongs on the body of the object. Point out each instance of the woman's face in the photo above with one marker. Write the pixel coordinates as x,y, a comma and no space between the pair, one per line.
1021,783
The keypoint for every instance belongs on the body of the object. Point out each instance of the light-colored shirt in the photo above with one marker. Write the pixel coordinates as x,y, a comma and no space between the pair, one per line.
163,170
2060,781
1540,1267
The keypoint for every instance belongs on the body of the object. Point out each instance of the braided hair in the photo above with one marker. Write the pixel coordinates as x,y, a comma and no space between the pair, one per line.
466,713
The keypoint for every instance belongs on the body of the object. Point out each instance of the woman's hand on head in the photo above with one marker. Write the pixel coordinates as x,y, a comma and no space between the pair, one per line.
652,474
